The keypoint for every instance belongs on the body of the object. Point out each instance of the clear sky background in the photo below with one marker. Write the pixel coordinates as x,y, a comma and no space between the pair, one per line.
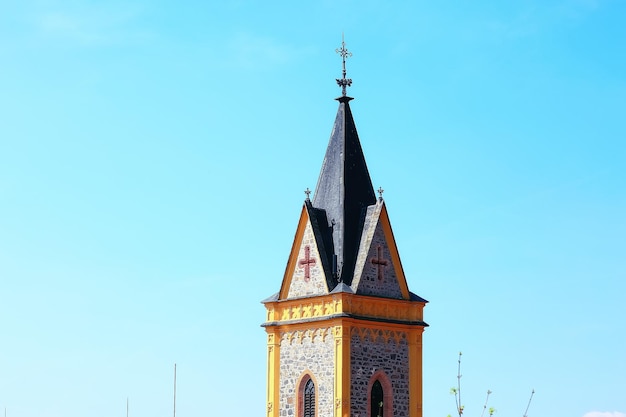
153,157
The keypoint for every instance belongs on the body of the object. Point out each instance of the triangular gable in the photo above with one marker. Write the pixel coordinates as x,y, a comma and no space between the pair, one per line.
305,273
378,270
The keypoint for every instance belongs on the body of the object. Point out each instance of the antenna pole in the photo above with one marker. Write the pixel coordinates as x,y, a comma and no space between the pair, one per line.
529,400
126,406
174,390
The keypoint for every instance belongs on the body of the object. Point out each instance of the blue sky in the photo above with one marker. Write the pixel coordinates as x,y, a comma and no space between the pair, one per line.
153,157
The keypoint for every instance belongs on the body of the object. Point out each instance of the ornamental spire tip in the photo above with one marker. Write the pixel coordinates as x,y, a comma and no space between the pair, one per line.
343,82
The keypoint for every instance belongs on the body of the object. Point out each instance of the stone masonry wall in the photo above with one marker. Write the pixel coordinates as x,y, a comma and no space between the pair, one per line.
372,351
378,277
307,351
308,277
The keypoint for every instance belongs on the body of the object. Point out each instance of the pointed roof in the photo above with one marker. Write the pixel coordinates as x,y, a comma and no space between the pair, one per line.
344,190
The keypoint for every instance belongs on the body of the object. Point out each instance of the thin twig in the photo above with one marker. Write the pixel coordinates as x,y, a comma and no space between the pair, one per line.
459,405
485,406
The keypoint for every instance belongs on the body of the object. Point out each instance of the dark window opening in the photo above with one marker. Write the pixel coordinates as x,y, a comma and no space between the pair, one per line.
309,399
377,400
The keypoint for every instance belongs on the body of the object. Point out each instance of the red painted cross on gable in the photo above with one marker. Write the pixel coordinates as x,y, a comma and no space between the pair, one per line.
306,263
380,263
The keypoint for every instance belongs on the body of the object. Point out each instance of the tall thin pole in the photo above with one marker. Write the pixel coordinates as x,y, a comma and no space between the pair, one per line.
126,406
174,390
529,400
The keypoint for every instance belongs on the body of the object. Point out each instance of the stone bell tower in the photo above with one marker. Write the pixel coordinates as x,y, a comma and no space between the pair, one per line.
344,331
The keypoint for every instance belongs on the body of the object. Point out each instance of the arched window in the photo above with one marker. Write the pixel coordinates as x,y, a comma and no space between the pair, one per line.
308,399
377,400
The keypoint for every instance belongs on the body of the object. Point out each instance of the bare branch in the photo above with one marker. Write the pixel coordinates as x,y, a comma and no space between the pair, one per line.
459,404
485,406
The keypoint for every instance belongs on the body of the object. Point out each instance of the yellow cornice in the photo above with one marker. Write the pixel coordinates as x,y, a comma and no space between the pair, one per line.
345,304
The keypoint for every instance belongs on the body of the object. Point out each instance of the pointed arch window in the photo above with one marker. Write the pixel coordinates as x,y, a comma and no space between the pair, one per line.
380,395
308,399
377,396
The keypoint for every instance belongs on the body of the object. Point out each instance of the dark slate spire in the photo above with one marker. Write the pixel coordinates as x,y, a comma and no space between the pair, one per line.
344,188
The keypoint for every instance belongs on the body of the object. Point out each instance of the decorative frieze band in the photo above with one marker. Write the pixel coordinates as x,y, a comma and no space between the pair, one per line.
298,336
363,333
385,309
374,334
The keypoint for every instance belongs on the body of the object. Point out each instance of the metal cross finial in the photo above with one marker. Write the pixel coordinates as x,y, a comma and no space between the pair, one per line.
380,193
307,192
343,82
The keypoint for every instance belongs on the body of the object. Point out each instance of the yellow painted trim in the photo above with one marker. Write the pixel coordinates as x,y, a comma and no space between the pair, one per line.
293,255
342,369
342,373
273,372
415,373
393,250
347,376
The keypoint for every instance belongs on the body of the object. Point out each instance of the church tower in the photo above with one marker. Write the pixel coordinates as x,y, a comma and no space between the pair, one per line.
344,333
